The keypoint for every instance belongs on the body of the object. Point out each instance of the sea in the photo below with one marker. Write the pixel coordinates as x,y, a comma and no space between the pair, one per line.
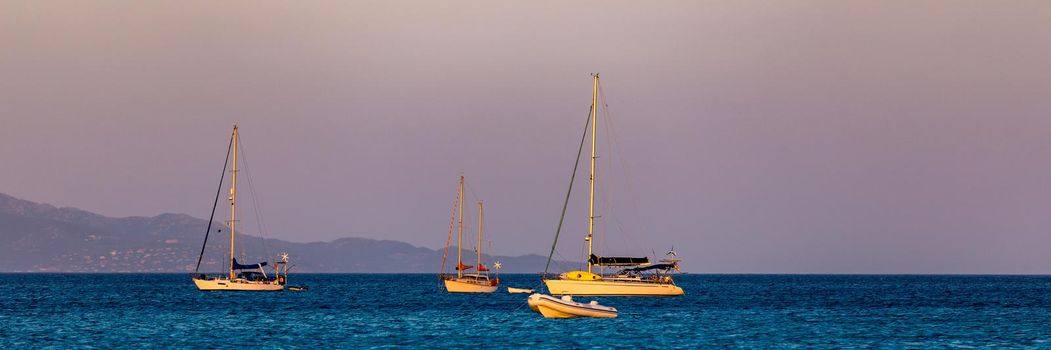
111,311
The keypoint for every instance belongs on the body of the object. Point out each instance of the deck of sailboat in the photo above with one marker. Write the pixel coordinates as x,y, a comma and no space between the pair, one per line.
470,280
475,276
637,279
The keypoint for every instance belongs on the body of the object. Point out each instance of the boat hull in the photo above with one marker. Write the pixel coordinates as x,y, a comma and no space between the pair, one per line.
236,285
457,286
611,288
512,290
552,307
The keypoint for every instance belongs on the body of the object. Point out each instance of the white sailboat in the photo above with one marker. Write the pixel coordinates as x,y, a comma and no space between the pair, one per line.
633,276
478,282
239,277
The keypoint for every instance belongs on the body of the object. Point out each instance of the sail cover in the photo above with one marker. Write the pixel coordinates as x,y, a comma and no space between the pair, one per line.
482,268
618,261
246,267
652,267
463,267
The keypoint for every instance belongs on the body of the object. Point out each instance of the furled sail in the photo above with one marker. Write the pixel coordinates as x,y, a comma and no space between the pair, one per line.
653,267
482,268
618,261
463,267
238,266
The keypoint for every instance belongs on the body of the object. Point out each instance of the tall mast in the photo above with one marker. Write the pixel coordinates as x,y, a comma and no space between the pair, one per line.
459,236
479,250
591,181
233,206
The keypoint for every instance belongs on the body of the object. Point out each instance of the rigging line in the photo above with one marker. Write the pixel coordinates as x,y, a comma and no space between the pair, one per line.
584,255
605,196
559,255
628,178
244,166
471,190
565,203
519,307
449,238
207,231
468,214
607,202
260,224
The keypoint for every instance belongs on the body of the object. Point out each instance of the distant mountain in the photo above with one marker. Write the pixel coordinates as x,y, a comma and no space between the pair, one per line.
40,237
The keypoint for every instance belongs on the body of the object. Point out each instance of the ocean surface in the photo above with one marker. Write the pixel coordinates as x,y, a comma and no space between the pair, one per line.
356,310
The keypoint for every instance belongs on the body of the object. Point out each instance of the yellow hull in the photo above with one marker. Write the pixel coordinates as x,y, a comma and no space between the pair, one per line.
612,288
455,286
236,285
552,307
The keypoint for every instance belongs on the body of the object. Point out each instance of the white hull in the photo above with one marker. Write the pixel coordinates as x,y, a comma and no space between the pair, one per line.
611,288
552,307
457,286
236,285
512,290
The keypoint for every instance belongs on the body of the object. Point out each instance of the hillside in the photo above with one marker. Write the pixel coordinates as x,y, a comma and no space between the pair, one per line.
43,238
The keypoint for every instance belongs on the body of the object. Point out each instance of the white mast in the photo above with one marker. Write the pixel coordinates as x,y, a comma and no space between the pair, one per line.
233,207
459,236
591,181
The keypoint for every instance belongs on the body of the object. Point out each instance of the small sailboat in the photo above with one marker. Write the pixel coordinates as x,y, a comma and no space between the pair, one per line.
239,277
513,290
633,276
565,307
478,282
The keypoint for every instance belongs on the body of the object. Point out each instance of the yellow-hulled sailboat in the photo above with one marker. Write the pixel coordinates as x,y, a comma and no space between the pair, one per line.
635,276
251,277
478,282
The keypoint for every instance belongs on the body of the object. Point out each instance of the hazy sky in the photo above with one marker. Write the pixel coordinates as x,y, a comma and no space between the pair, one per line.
792,136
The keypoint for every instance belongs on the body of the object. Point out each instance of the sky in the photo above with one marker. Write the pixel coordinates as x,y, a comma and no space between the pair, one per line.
753,136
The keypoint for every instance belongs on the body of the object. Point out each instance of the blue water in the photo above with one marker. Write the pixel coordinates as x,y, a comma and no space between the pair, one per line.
749,311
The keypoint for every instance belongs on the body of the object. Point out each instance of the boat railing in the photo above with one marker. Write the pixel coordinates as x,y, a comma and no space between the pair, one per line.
636,279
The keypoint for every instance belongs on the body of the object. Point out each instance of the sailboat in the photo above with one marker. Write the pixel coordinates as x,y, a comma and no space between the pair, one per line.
239,277
478,282
634,276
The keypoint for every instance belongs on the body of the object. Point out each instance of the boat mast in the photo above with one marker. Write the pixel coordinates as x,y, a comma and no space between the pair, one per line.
233,207
479,250
459,236
591,181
